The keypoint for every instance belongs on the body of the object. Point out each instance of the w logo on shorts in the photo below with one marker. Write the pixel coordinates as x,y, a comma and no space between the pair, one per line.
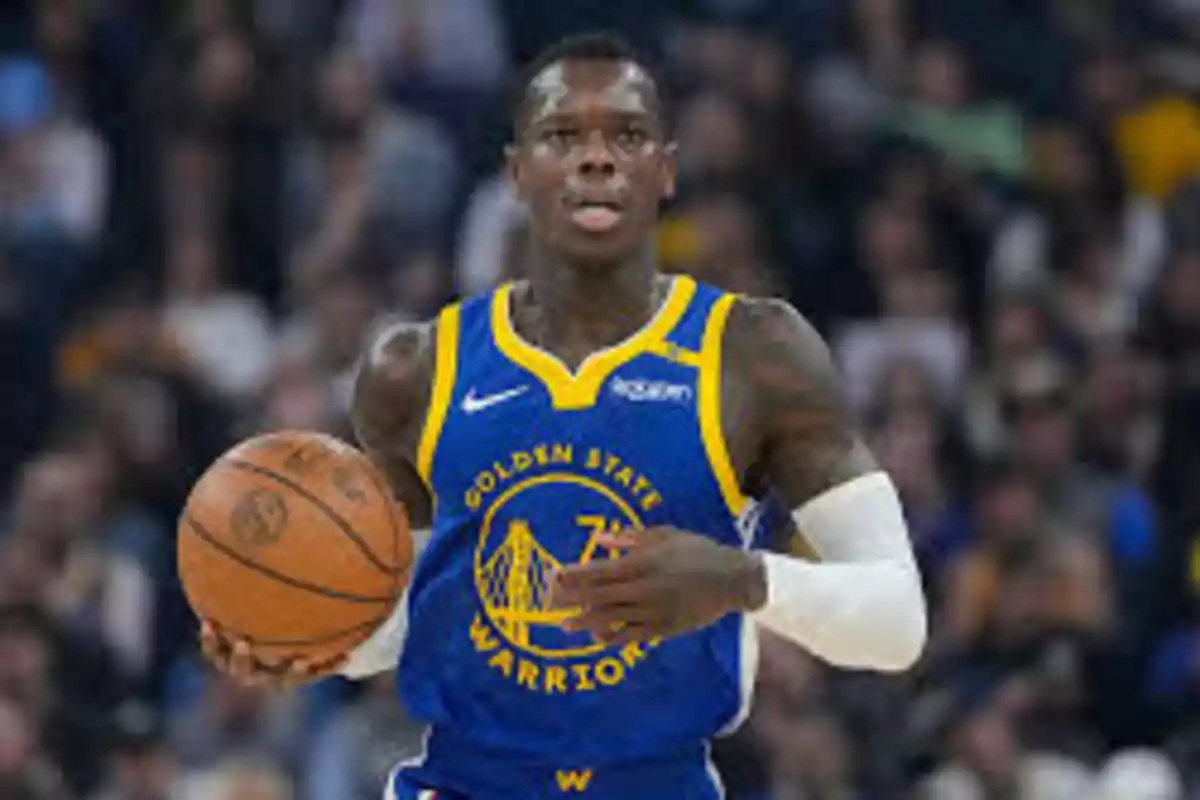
573,780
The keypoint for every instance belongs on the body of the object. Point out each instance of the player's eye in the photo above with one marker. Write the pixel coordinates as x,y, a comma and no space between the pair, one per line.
631,136
560,136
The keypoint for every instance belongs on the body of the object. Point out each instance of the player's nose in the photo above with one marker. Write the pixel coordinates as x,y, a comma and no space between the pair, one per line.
596,157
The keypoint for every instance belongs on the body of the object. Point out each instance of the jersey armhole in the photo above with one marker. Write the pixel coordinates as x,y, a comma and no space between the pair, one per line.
444,373
708,407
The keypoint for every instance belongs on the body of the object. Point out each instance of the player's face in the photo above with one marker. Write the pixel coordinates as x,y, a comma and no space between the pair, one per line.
591,161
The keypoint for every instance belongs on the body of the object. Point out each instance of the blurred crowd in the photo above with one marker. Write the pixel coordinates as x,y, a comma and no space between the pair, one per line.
990,207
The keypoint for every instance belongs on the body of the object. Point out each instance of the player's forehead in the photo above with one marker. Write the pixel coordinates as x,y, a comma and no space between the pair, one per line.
579,87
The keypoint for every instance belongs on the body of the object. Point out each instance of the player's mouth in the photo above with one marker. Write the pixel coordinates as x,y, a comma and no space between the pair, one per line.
596,216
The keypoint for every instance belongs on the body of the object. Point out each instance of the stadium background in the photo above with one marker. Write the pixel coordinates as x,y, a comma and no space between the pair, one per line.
991,207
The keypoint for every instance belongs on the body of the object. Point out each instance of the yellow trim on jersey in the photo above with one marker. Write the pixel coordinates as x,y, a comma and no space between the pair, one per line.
579,389
673,352
708,406
444,370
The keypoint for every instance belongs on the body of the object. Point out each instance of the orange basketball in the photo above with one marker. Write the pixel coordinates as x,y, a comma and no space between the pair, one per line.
293,542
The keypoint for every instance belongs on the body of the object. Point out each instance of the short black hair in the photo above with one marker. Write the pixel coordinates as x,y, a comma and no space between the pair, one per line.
595,46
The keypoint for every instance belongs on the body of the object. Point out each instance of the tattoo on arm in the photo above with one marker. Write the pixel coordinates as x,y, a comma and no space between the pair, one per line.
806,442
391,395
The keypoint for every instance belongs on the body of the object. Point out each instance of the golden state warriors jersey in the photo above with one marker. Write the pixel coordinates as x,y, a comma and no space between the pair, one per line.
528,462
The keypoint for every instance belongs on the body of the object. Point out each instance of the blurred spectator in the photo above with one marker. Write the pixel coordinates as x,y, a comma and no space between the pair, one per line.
488,240
1122,401
53,170
96,557
943,113
919,323
226,334
142,766
296,396
339,309
716,142
121,332
222,720
367,166
910,445
355,751
853,89
813,759
219,120
1093,305
1156,132
715,237
58,710
1008,513
1079,188
241,780
422,40
1140,774
24,773
1046,441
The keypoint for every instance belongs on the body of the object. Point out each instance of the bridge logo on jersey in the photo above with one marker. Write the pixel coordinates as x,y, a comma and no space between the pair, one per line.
543,509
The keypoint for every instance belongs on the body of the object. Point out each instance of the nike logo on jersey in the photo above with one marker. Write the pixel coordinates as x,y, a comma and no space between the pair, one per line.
472,404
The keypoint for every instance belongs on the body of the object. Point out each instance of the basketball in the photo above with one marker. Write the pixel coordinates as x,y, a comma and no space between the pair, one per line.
293,542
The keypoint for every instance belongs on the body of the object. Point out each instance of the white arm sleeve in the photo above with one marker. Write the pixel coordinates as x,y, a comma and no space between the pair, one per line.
862,606
381,652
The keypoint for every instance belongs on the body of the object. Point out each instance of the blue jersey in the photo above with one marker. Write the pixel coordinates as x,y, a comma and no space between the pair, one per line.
528,462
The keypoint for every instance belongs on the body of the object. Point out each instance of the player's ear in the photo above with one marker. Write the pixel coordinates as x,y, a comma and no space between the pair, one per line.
670,169
512,166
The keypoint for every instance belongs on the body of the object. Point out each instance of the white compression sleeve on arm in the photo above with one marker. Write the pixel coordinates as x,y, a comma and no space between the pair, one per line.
381,652
862,606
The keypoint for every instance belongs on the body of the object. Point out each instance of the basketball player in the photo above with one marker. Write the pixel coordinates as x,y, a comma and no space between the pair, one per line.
583,449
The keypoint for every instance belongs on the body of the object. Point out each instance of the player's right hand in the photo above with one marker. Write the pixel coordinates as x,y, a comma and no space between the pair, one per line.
236,658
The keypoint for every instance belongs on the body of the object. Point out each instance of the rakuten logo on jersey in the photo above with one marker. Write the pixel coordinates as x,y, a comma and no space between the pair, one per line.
639,391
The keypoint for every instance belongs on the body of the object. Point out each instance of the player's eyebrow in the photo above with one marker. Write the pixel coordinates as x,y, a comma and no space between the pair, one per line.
619,115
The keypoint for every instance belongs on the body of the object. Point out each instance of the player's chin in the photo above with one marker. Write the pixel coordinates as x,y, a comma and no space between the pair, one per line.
602,246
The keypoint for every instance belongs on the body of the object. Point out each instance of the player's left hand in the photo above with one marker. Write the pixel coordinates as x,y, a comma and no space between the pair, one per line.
667,583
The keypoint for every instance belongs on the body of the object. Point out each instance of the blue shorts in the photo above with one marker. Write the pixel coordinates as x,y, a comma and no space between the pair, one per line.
476,775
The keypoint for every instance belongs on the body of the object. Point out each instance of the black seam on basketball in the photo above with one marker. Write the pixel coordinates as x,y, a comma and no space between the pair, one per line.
284,667
324,638
216,544
349,532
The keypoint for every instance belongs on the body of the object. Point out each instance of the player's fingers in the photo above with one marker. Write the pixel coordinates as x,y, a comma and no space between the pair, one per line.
311,668
629,538
210,643
303,671
635,591
599,620
241,662
625,634
577,577
298,673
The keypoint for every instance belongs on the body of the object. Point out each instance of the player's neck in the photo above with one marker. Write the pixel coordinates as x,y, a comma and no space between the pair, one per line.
585,306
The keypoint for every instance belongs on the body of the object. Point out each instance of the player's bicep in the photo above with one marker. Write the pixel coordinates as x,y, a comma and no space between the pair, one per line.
807,440
391,395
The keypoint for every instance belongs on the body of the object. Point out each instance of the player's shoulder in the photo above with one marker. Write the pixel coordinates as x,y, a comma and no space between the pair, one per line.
397,347
773,350
397,365
757,322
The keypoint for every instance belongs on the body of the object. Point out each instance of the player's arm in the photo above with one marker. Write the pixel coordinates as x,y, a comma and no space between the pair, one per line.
861,605
391,396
